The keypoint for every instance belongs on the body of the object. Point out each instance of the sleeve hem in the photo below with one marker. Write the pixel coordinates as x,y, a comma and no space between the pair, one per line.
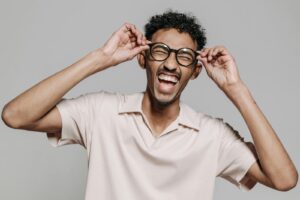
249,183
60,138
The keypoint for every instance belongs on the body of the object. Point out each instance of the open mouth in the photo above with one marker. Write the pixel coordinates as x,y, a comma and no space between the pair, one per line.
171,79
167,82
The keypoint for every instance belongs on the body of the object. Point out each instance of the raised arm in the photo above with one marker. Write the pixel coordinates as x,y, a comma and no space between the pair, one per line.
35,108
275,168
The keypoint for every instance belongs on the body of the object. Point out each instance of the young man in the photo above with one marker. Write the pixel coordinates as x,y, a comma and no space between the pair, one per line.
150,145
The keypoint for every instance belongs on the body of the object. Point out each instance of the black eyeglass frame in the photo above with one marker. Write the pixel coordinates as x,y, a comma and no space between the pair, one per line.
170,50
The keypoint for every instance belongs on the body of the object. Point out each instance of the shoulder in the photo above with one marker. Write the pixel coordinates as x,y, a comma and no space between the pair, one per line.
93,100
205,122
211,122
101,96
115,101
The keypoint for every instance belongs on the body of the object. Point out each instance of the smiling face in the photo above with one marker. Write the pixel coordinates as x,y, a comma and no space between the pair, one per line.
167,79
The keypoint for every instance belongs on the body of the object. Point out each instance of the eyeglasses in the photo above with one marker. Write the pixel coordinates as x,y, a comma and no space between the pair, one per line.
184,56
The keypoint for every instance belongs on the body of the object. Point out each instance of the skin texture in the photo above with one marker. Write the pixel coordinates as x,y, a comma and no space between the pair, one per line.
35,108
170,66
160,105
278,171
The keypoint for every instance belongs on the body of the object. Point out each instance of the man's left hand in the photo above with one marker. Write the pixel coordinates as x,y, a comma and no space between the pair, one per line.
220,67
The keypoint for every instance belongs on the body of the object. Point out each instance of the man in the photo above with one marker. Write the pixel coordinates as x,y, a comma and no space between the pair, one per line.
150,145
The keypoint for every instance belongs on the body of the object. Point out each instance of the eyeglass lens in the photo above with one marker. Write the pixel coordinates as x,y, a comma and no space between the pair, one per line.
161,52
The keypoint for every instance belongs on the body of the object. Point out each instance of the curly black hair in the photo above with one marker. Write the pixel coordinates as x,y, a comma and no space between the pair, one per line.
182,22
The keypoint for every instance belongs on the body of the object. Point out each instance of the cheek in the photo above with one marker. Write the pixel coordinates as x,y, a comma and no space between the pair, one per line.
186,76
150,75
151,69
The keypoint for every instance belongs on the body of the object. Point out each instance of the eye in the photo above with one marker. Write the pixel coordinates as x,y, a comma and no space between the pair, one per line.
160,50
185,57
185,54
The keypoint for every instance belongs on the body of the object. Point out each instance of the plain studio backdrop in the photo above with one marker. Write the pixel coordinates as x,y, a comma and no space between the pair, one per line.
40,38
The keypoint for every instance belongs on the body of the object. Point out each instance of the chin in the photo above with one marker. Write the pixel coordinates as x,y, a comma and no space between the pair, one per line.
167,99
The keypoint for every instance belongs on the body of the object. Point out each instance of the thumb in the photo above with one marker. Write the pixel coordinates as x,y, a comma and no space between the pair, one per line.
138,50
208,67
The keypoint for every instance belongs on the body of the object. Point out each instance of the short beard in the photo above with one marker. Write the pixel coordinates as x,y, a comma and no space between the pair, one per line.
157,102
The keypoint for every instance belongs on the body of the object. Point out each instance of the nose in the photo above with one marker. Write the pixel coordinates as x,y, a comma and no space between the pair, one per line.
171,62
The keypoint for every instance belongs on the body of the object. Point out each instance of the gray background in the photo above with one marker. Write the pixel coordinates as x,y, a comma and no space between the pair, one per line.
39,38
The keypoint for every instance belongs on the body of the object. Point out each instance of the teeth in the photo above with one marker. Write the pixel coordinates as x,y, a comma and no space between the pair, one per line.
165,77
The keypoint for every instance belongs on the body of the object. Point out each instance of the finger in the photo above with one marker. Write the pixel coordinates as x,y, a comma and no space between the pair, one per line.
203,52
208,67
126,28
202,59
219,50
129,27
142,39
132,45
131,35
136,32
133,39
139,36
224,59
125,32
215,51
209,55
138,50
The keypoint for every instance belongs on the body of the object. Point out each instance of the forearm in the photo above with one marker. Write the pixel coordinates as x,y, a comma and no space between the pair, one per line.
35,102
272,155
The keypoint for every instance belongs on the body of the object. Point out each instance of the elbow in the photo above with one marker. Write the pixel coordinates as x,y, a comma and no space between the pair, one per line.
8,118
288,183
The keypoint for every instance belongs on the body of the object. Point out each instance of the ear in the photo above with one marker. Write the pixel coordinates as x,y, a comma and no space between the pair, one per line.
197,70
141,58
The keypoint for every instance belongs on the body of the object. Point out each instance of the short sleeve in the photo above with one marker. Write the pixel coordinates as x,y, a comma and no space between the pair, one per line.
76,115
235,157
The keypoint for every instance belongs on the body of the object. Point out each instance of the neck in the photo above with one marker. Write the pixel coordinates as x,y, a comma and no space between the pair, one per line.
159,114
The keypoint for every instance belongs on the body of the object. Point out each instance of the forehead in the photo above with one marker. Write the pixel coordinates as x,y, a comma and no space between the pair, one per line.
174,39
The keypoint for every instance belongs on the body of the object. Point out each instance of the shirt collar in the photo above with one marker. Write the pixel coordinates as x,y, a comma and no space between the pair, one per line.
132,103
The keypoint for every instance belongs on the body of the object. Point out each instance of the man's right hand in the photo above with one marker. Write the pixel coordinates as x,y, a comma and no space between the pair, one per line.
35,108
123,45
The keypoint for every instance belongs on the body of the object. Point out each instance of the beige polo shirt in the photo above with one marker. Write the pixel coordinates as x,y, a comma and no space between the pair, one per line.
127,162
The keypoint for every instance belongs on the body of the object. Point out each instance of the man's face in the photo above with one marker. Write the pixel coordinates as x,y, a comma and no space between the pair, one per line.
167,79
